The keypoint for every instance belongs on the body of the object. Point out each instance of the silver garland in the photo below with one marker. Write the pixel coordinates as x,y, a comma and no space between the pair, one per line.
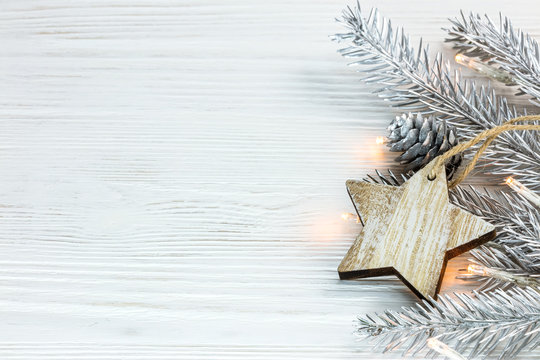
513,257
511,49
486,323
479,325
408,78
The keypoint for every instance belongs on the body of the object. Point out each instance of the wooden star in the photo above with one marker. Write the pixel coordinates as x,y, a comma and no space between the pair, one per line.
410,231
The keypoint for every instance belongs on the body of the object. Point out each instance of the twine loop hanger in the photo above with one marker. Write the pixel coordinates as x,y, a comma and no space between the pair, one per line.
489,135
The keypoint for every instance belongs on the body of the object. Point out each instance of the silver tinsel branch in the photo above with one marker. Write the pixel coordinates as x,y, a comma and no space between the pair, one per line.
513,257
501,45
498,322
486,322
408,78
479,325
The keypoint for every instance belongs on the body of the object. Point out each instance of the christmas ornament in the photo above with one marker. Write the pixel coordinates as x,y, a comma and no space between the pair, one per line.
410,231
421,140
406,76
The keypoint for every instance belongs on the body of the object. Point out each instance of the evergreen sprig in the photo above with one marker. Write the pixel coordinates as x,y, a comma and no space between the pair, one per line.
506,322
408,78
485,323
516,248
513,50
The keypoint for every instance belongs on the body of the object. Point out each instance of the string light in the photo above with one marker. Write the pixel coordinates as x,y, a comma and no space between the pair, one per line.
380,140
523,190
444,349
474,269
520,280
350,216
485,69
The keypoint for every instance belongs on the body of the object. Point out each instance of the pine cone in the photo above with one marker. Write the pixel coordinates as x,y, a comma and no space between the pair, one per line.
421,140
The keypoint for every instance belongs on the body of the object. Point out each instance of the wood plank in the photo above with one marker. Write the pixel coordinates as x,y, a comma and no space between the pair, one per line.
173,177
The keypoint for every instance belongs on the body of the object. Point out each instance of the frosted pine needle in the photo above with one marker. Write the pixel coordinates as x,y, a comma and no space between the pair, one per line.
408,78
513,50
480,325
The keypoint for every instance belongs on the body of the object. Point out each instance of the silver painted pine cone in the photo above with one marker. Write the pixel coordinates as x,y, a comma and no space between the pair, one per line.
421,139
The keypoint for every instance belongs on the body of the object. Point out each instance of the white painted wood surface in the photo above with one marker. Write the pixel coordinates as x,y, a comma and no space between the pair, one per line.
173,175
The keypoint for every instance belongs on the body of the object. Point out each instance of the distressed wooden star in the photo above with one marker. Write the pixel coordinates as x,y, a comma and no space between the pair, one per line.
410,231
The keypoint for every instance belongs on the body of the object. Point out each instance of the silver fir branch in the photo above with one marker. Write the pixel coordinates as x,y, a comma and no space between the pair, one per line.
512,259
408,78
510,49
499,323
484,324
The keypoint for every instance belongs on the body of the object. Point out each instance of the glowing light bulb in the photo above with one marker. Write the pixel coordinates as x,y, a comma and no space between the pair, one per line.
485,69
460,59
350,216
380,140
523,191
443,349
474,269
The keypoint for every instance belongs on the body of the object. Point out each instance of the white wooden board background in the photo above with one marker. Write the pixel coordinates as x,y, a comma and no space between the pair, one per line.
173,174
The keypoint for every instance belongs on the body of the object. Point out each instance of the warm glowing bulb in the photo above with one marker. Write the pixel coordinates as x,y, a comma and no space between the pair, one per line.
443,349
379,140
523,191
485,69
474,269
350,216
431,342
469,62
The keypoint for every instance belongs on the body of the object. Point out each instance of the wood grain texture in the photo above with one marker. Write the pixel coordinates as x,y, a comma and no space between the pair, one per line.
410,231
172,177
